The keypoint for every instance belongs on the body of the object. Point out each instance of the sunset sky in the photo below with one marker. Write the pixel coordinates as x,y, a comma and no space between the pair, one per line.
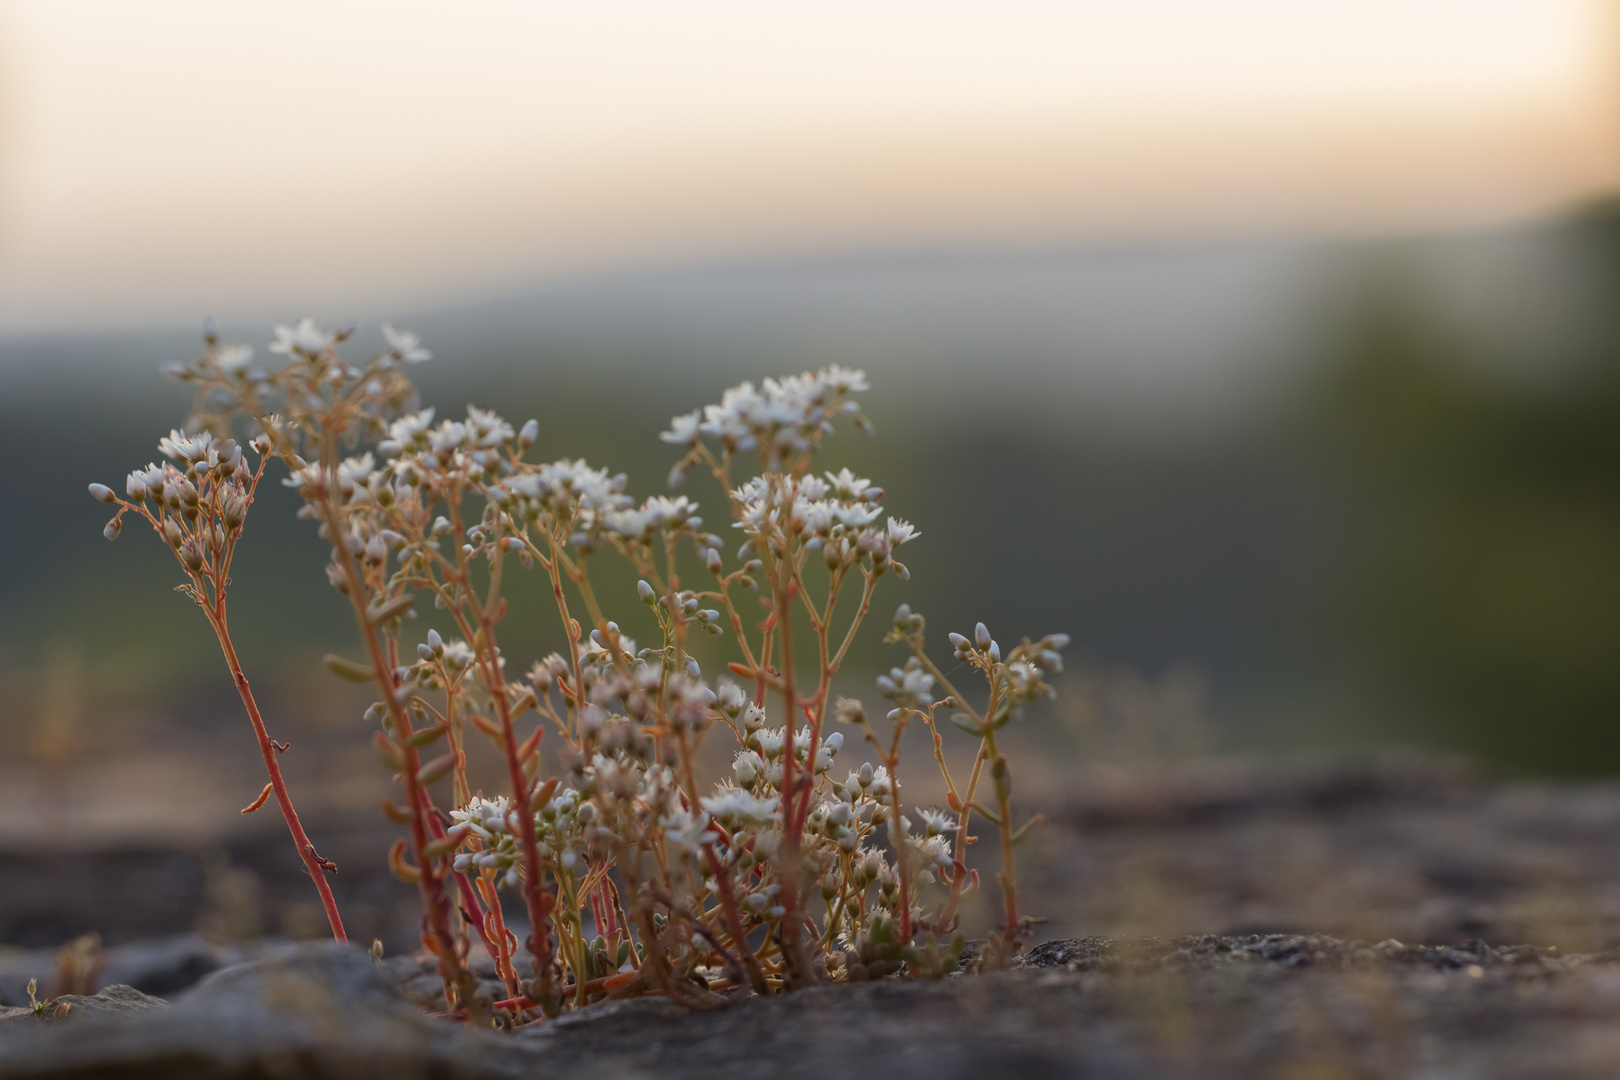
170,157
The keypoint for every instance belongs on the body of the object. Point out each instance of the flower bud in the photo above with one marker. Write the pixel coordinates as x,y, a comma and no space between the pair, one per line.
102,493
712,559
435,643
172,533
135,485
113,528
981,634
645,591
191,556
528,433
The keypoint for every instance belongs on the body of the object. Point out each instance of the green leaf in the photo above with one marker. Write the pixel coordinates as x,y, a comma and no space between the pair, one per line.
345,668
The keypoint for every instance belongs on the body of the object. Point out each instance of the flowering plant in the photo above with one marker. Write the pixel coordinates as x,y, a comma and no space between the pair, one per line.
634,876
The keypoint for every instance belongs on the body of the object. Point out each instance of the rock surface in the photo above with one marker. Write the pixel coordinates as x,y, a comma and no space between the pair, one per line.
1125,869
1133,1009
321,1010
160,966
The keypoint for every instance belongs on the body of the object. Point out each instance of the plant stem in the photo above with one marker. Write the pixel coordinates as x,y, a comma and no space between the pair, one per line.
306,850
791,944
438,935
1008,875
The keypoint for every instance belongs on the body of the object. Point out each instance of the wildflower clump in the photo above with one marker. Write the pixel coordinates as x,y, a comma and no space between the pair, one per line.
625,870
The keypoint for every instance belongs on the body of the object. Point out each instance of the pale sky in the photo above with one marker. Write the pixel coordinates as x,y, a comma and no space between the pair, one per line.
163,159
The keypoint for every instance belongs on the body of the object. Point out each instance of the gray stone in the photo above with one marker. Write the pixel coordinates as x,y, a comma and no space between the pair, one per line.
110,1001
1137,1008
318,1010
161,966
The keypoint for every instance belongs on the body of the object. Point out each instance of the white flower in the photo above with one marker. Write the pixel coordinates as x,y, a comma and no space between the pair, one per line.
306,338
909,685
846,485
307,480
179,447
933,849
855,515
683,430
748,766
405,345
783,417
817,517
830,745
771,742
447,438
678,512
873,781
356,470
233,358
733,806
487,817
731,699
845,380
686,832
486,429
937,821
458,655
901,532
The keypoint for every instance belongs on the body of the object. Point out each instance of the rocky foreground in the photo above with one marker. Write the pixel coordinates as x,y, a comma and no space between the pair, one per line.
199,976
1299,1006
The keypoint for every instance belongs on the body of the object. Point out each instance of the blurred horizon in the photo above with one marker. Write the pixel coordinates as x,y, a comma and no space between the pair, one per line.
357,158
1199,459
1269,349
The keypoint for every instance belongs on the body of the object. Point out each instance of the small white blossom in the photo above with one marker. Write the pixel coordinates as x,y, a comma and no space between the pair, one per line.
735,806
305,337
901,532
180,447
683,430
234,359
405,345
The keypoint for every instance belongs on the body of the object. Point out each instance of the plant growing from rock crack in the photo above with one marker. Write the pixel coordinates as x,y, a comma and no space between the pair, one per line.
634,875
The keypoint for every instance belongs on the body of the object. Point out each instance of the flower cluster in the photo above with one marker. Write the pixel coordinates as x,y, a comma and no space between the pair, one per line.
635,874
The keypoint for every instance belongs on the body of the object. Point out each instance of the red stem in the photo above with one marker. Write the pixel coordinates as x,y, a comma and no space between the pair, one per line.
536,897
437,936
306,851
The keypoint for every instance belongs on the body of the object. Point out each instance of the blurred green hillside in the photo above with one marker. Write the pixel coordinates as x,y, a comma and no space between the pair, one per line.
1367,494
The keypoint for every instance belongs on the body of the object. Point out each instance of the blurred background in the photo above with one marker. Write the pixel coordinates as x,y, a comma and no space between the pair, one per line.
1271,349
